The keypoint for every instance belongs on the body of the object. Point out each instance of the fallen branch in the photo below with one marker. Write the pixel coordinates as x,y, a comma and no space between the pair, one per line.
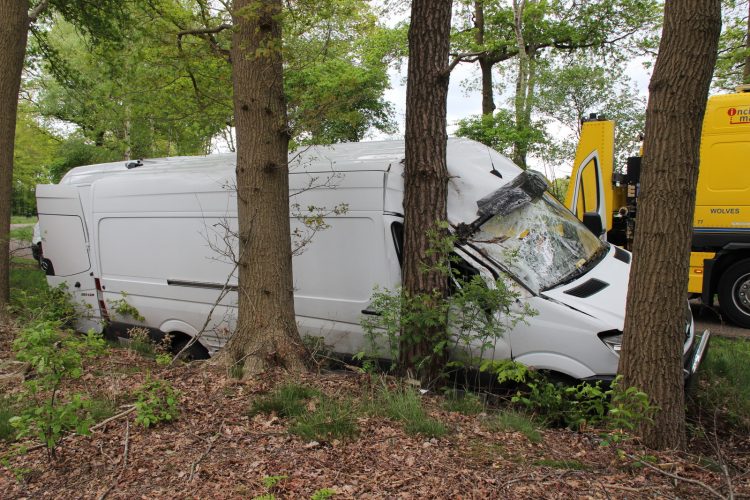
678,478
101,424
194,465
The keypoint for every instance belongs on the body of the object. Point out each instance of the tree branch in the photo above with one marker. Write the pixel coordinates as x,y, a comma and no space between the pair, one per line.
36,11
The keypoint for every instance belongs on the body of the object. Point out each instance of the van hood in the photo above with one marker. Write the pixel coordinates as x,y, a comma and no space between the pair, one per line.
600,293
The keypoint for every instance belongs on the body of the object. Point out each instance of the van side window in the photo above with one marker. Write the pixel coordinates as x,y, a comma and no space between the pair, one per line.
462,271
397,230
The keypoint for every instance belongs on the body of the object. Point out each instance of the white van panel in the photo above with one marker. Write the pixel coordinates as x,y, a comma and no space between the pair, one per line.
64,243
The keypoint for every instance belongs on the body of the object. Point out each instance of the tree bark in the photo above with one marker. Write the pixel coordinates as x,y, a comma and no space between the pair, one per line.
13,34
521,102
266,332
746,69
426,172
485,64
651,357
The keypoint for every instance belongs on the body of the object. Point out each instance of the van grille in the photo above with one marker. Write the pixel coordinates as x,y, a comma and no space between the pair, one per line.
587,289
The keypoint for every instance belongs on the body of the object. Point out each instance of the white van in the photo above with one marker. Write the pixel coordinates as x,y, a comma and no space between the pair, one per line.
154,236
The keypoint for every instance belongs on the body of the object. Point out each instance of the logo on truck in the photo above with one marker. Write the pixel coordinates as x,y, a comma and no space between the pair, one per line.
739,116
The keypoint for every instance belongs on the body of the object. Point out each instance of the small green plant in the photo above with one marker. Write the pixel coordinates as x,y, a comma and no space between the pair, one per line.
330,420
140,341
404,405
156,402
323,494
271,481
163,359
56,357
290,400
121,307
515,421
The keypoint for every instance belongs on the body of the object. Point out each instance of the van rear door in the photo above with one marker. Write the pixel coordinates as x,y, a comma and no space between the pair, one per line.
65,243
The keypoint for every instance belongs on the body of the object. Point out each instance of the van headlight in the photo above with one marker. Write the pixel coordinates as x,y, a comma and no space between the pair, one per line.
613,340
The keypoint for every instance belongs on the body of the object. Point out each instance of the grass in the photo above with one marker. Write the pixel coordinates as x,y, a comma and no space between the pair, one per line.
514,421
724,381
330,420
22,233
289,400
22,219
7,411
465,403
404,405
31,298
102,408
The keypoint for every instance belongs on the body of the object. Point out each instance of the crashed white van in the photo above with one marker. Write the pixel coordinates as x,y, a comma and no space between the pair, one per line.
153,235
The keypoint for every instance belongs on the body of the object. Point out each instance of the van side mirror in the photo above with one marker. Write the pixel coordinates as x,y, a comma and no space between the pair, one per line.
593,221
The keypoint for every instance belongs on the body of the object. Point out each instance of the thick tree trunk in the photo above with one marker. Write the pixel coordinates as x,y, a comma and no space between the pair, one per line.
651,357
426,172
14,24
266,331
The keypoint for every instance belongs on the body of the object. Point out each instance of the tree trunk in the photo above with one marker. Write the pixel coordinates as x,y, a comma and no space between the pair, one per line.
485,64
651,357
426,172
266,332
746,69
13,32
522,83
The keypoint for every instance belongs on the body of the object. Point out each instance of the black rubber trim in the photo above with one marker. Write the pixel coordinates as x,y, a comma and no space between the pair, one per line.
707,240
588,288
622,255
200,284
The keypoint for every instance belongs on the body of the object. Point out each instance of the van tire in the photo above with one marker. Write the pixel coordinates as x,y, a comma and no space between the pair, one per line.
195,352
734,293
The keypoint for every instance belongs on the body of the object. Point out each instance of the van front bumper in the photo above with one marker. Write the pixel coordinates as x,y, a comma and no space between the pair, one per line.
693,362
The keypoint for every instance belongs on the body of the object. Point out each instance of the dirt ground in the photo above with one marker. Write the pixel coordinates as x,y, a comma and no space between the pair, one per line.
215,450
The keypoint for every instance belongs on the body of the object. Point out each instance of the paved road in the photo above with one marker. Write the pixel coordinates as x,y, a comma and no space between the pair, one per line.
711,319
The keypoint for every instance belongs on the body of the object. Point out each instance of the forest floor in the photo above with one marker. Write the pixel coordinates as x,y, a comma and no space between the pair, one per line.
216,448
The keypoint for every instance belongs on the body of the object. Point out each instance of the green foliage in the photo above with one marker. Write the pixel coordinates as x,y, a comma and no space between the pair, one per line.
723,386
476,313
163,359
122,308
21,219
56,357
329,420
500,132
271,481
585,404
156,402
514,421
403,404
289,400
33,300
140,341
323,494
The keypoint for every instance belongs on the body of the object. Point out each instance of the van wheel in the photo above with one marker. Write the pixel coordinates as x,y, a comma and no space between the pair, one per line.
195,352
734,293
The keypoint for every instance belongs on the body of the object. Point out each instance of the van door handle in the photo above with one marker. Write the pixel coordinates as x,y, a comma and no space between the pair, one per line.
370,312
78,284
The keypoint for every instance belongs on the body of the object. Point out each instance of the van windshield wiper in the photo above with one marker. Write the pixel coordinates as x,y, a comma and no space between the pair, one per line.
583,269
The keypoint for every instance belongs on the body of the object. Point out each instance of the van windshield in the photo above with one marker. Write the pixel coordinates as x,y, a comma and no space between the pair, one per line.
540,243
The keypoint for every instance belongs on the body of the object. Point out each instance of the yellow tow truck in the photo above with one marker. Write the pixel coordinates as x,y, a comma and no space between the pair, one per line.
607,200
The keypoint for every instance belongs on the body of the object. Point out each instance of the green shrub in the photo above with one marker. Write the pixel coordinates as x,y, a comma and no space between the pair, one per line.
156,402
289,400
56,357
331,419
33,301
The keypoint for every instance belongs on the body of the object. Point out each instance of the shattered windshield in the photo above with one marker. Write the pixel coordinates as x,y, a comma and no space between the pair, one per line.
539,242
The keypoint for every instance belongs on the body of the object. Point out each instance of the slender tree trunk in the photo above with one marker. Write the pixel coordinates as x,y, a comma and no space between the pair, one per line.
522,83
266,331
485,64
426,172
654,335
14,24
746,69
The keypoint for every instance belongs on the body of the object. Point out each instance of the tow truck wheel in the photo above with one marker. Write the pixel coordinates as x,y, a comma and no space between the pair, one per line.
734,293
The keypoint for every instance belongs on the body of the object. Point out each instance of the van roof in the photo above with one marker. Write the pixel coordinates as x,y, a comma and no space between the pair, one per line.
343,157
